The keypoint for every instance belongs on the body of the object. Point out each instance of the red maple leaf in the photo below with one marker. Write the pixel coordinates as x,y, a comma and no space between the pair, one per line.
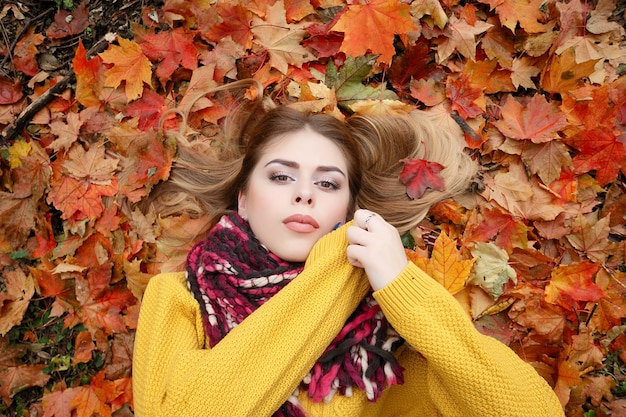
148,107
536,120
509,231
89,76
600,151
236,21
25,53
324,41
171,49
419,174
464,98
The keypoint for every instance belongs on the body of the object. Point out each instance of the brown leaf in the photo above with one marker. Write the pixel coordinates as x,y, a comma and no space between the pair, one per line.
15,299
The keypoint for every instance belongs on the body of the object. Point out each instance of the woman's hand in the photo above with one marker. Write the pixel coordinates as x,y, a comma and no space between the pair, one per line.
375,246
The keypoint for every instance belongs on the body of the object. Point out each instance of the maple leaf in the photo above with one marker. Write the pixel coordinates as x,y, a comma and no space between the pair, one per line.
10,91
14,379
528,13
348,81
546,159
600,151
536,120
591,236
572,283
460,36
83,347
611,308
589,107
563,74
77,198
316,97
56,403
372,26
224,57
280,39
93,398
66,133
235,22
171,49
432,8
89,76
429,92
17,218
509,232
467,101
91,165
599,19
491,269
26,51
489,77
129,65
420,174
14,300
445,265
568,377
545,320
148,108
69,23
324,41
523,71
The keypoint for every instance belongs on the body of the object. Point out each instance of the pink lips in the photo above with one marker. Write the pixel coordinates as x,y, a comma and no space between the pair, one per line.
301,223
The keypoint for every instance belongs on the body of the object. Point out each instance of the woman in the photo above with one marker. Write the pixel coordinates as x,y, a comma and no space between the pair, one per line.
229,337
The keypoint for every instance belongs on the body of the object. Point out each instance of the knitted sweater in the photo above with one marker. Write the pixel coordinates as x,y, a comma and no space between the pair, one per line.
450,368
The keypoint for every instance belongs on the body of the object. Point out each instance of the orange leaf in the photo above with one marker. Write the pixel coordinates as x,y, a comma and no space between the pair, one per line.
445,266
83,346
66,133
10,91
130,65
567,378
89,76
17,378
509,232
469,102
591,236
536,120
25,53
572,283
372,26
92,399
19,288
563,74
528,13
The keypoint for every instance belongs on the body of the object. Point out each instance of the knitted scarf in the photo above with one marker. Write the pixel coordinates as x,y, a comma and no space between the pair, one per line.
230,273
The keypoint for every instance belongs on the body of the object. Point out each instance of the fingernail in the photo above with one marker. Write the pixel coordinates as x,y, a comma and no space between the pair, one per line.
337,226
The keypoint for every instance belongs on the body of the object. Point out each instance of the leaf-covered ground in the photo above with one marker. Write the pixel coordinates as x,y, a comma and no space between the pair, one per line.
536,88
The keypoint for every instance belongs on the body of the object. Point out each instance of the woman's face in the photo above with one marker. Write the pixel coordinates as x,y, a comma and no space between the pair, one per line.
297,192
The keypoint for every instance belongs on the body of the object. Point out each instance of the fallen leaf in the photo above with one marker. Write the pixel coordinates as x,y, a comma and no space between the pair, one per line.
25,52
10,92
68,23
129,65
420,174
19,288
171,49
372,27
491,269
461,37
572,283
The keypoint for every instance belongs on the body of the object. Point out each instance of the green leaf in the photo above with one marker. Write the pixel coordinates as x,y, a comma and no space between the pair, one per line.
348,81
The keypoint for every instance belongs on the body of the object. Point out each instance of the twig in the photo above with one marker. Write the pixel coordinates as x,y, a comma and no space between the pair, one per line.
465,127
20,122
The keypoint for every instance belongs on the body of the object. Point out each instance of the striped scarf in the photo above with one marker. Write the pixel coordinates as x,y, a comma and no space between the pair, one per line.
231,274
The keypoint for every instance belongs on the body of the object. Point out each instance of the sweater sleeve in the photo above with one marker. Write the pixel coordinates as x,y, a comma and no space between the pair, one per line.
469,374
257,366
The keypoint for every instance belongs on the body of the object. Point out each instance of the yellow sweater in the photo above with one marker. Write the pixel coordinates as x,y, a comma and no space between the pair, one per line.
259,364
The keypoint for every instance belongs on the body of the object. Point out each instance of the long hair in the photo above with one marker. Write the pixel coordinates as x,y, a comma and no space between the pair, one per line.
206,177
383,142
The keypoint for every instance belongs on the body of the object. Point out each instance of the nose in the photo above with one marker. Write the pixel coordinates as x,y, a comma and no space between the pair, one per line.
304,196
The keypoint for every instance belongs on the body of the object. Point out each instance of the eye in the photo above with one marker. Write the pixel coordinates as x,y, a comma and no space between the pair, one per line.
280,177
328,184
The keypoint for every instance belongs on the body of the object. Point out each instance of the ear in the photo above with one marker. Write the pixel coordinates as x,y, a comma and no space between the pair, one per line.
241,205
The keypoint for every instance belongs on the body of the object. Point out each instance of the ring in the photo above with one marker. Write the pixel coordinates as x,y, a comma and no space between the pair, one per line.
368,218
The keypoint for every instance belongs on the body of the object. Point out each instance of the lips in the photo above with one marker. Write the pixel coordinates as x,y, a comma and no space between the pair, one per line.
301,223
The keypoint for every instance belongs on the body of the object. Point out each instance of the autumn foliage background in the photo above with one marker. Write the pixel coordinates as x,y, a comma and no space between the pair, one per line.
536,88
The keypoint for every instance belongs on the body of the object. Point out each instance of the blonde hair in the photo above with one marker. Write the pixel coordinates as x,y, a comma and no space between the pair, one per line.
384,142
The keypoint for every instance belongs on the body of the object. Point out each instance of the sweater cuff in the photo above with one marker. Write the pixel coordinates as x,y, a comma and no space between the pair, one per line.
412,287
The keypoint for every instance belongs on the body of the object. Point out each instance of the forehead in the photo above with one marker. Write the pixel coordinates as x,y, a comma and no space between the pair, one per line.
305,146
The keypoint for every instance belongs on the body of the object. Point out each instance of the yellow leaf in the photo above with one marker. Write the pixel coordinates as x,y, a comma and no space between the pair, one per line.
16,151
129,65
446,267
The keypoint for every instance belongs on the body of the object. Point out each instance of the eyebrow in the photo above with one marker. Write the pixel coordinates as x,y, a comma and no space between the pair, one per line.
293,164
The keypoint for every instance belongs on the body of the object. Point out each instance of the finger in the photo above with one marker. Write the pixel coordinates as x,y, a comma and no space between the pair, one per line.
354,254
357,235
364,218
